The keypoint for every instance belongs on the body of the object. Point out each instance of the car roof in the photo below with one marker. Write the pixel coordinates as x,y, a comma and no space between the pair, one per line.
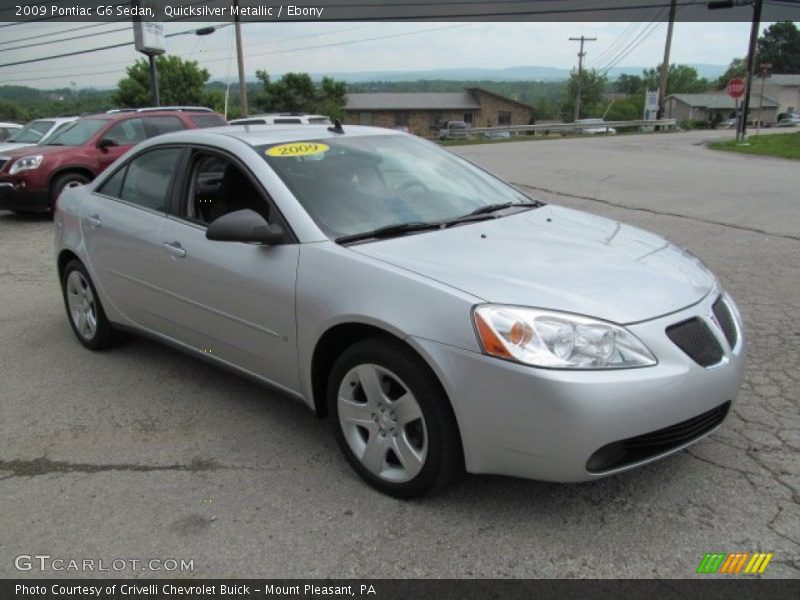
120,116
261,135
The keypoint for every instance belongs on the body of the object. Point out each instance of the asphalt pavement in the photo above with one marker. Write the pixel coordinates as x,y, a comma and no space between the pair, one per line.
143,452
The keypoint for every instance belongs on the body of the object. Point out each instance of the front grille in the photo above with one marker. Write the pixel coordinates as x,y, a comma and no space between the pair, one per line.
642,447
725,319
696,340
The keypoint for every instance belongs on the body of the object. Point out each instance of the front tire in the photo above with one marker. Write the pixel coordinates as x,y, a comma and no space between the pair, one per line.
62,182
85,313
392,419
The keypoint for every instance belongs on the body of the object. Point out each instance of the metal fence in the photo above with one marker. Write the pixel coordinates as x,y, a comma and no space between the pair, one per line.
560,127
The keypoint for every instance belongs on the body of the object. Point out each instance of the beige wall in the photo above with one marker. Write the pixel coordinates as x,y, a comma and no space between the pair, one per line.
492,105
680,110
419,121
788,96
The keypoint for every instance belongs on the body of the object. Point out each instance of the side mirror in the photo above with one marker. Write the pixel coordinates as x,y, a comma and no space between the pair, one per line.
245,226
106,143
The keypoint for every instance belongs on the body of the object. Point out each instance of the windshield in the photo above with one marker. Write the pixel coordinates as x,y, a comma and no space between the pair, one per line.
355,185
76,133
31,133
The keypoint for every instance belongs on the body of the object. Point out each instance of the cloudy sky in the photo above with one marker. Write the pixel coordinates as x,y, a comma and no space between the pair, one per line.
344,47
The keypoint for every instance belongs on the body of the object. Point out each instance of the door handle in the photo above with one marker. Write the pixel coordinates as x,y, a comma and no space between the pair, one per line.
175,249
94,221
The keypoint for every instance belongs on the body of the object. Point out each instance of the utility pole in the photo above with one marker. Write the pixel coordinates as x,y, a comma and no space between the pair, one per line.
662,86
751,66
581,54
240,59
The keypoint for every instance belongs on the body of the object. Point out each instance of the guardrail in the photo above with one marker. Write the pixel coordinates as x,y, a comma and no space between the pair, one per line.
517,129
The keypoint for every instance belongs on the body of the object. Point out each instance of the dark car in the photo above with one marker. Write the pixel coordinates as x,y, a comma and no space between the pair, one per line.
32,178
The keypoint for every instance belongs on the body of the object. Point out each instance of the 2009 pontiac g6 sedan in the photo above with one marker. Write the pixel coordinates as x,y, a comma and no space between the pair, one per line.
440,318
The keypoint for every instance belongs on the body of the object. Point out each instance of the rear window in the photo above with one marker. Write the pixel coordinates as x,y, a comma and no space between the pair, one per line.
157,125
202,121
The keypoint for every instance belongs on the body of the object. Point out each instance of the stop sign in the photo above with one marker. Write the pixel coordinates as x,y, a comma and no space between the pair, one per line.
735,88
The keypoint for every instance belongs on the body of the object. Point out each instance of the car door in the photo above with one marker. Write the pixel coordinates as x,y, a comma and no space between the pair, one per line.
234,301
121,223
118,139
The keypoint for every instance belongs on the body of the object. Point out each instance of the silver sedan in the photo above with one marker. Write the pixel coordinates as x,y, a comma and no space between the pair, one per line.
440,318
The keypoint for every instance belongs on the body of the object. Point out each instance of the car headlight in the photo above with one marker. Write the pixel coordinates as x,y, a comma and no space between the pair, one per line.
545,338
27,163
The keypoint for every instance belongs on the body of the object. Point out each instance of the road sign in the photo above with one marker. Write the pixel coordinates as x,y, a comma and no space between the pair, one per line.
735,88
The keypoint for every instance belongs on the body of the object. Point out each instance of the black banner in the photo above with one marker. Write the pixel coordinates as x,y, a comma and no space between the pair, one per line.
392,10
383,589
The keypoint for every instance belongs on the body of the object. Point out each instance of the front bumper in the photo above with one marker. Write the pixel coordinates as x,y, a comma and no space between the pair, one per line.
547,424
22,199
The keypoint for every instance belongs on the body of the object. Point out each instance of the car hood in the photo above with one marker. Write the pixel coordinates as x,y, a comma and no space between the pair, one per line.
559,259
32,149
9,147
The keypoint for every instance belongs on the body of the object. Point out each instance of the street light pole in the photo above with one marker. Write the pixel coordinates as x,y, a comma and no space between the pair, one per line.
154,95
240,60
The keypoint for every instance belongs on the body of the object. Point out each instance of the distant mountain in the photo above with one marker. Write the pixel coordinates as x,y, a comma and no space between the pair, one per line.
522,73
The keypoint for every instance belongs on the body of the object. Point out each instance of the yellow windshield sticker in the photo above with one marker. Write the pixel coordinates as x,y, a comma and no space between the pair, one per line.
297,149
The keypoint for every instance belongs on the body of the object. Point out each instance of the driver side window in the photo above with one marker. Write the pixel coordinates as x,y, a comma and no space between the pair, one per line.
126,133
217,186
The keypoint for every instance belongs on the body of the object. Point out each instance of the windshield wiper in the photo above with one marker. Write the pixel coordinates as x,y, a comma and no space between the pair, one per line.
490,208
395,230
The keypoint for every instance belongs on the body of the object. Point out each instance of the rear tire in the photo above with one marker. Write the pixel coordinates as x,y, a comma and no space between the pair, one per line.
392,419
84,311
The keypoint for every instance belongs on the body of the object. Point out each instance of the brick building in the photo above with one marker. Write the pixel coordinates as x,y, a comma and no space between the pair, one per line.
424,113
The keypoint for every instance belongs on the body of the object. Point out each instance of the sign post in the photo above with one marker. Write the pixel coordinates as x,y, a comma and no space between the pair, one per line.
764,71
148,37
735,89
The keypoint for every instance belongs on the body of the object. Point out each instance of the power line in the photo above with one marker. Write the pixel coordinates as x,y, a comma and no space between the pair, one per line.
645,33
66,39
282,51
125,63
59,32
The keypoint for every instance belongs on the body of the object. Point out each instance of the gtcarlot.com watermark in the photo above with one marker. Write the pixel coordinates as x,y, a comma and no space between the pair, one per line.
45,562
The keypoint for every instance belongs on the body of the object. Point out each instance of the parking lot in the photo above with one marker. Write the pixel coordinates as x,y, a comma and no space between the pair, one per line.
143,452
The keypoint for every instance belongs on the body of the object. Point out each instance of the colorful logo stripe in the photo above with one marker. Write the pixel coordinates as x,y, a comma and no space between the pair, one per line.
734,562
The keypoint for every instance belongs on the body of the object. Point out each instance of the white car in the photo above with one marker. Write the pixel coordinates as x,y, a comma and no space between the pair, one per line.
34,132
790,120
8,129
283,119
601,126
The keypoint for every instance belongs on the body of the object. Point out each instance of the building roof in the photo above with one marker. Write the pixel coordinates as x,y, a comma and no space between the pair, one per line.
412,101
783,79
720,101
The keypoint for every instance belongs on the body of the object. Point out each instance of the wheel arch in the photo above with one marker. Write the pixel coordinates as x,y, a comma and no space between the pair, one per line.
64,257
86,171
336,340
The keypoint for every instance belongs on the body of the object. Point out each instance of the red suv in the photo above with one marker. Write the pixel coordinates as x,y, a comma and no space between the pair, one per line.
32,178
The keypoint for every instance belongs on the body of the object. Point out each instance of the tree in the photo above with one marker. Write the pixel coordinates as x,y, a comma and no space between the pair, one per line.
180,82
332,98
780,45
296,92
682,79
737,68
629,84
11,111
592,84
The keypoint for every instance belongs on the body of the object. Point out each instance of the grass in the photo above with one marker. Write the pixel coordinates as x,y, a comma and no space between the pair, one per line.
782,145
